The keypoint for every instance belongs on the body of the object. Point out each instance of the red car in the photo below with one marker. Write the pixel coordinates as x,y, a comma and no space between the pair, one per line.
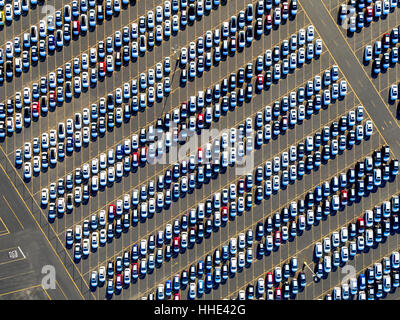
224,214
369,14
200,155
135,270
278,293
177,296
343,197
269,280
200,121
176,244
75,28
360,225
232,45
35,110
268,22
386,41
285,9
111,212
135,159
102,69
260,82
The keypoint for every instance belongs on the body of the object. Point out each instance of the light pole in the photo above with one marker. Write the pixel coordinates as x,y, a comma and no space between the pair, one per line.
315,276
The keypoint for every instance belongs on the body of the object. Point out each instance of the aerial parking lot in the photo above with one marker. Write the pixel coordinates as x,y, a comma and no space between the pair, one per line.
199,149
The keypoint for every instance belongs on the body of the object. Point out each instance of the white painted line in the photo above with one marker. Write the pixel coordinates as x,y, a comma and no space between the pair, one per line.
21,252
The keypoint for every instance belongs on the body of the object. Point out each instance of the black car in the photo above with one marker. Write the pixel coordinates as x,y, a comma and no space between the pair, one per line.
99,13
240,76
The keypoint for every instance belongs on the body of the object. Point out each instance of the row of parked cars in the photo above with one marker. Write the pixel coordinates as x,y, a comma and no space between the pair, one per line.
357,14
383,222
384,53
52,91
235,34
266,289
92,125
52,33
97,56
82,121
281,233
217,198
145,203
13,10
375,282
145,81
194,63
223,149
367,231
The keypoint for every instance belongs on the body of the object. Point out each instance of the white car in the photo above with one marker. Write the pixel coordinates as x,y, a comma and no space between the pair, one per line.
45,196
394,92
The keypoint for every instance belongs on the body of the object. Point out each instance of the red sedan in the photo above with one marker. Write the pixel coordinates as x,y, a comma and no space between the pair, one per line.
285,9
386,40
75,28
177,296
361,225
278,293
260,82
200,121
268,22
200,155
369,14
343,197
176,244
35,110
224,214
102,69
135,159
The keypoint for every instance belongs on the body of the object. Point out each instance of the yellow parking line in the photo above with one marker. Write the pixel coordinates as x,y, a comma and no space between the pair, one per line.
44,234
179,88
45,291
263,218
5,227
333,20
8,204
19,290
11,261
364,268
171,165
105,38
80,37
16,275
236,179
62,291
311,244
